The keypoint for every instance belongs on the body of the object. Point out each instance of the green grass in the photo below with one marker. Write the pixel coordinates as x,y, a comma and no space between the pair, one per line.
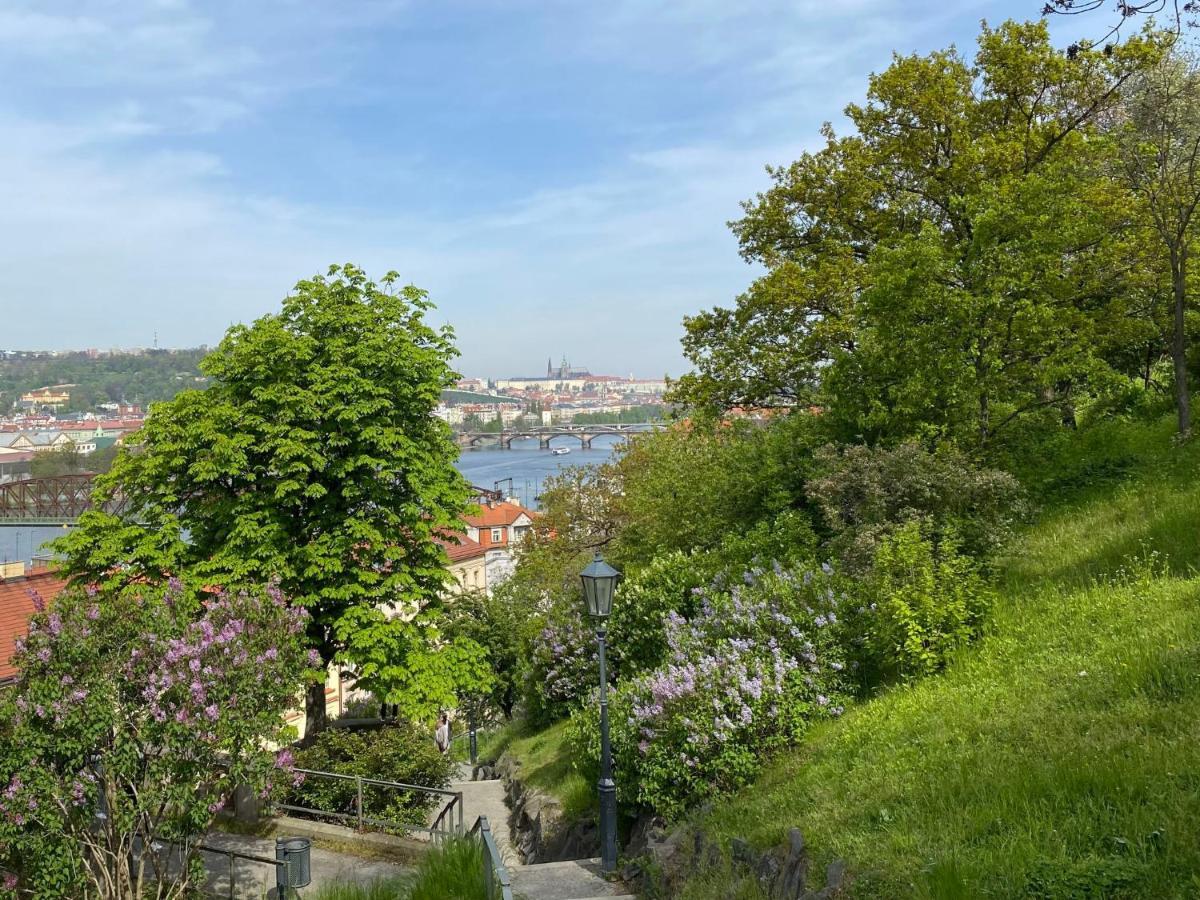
1059,757
385,889
546,764
450,872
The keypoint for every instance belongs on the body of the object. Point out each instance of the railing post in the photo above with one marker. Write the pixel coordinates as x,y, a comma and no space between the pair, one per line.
359,789
460,814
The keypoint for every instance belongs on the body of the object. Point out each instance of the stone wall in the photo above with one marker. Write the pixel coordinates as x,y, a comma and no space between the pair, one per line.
661,860
540,830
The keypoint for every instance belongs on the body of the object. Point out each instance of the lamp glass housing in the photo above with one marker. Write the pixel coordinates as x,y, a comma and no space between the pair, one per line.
599,582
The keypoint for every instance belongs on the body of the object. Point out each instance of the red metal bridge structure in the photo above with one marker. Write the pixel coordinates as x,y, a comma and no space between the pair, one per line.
59,500
62,499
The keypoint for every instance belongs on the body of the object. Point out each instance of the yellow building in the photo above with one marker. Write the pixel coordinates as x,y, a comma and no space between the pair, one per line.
54,397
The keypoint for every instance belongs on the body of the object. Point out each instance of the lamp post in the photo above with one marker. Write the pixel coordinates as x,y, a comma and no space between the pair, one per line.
599,582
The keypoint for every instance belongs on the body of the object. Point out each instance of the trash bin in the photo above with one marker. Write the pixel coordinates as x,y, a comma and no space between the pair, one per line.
297,871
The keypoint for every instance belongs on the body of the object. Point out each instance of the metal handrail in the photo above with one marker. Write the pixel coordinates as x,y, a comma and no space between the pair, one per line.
275,864
425,789
437,830
494,870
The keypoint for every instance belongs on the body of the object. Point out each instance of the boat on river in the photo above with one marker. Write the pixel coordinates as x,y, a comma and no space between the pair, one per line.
561,451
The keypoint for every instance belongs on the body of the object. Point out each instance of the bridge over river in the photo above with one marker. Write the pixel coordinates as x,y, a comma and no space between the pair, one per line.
545,435
59,500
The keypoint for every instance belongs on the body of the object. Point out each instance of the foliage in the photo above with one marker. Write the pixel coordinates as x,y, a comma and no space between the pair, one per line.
398,752
690,487
1052,760
452,870
1160,150
380,889
151,706
927,601
136,378
562,665
951,266
639,623
864,493
759,661
496,624
455,869
315,458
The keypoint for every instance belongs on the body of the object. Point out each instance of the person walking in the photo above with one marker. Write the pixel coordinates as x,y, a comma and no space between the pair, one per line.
441,737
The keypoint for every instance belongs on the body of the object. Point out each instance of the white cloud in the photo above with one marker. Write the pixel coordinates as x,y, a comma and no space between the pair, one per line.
26,31
127,208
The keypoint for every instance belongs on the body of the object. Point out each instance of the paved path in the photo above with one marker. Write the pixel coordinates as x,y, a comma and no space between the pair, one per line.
257,880
573,880
486,798
576,879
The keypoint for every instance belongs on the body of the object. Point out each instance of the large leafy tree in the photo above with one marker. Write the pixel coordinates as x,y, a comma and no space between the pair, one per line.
944,268
314,458
1161,157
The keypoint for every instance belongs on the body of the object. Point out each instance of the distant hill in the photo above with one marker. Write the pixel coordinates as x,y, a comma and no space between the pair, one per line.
138,378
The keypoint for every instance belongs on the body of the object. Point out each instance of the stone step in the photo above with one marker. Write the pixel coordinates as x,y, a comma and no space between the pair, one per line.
577,879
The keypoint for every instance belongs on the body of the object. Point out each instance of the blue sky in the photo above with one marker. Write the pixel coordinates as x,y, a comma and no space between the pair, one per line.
557,174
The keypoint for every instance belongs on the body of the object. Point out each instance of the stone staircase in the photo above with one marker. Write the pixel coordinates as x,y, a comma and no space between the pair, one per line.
577,879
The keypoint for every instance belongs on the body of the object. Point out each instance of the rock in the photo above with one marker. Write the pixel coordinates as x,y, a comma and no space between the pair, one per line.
792,880
767,871
705,853
646,830
743,854
540,831
835,877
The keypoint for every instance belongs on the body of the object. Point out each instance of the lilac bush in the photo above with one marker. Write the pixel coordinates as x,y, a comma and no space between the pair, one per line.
133,718
561,668
759,662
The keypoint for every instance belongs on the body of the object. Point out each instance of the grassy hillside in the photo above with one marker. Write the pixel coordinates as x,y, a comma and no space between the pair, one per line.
1059,757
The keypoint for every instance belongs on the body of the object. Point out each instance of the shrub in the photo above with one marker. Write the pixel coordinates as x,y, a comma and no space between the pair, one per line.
561,667
397,752
642,606
155,704
865,493
926,601
758,662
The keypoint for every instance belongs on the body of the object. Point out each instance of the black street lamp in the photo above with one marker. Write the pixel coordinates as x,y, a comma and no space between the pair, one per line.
599,582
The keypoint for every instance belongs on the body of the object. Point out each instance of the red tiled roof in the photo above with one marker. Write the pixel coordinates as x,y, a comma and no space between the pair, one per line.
464,549
502,513
16,608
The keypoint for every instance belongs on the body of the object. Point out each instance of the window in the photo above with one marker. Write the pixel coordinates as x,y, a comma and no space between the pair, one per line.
497,535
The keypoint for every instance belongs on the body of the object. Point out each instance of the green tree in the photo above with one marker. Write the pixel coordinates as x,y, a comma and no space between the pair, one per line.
1161,155
64,461
314,458
945,268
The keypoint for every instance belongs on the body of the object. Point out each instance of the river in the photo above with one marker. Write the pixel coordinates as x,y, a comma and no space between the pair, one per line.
525,464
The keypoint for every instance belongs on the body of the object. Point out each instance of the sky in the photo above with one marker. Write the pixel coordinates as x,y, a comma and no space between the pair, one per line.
558,174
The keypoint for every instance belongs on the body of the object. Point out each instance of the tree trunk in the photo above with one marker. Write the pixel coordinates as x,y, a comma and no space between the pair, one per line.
315,719
1183,399
984,419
